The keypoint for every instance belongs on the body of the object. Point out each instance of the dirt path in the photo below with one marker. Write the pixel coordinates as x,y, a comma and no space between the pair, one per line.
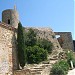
71,72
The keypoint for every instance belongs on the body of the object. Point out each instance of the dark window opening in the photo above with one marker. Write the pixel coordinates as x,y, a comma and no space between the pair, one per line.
8,21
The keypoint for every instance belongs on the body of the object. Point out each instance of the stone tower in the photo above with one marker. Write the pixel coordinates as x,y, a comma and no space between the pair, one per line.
11,17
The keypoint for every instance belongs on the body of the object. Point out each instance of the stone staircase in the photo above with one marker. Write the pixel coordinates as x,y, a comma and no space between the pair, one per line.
38,69
43,68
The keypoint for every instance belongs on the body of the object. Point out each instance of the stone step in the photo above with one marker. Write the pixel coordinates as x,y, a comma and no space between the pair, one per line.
53,61
46,65
35,72
39,70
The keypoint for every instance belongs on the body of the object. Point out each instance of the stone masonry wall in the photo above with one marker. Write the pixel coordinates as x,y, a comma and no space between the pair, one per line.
8,57
67,40
12,15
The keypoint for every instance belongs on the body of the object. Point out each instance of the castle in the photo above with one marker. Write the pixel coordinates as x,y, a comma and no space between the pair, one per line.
8,44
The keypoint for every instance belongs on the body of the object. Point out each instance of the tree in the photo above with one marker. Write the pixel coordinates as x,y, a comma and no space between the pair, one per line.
30,38
21,46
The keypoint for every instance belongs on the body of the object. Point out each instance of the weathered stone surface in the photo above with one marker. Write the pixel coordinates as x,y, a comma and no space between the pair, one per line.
8,57
67,40
12,16
22,72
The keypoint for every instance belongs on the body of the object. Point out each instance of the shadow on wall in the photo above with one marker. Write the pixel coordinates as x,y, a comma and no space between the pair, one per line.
14,52
74,44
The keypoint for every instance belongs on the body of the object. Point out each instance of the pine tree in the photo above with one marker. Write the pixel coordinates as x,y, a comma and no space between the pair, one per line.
21,46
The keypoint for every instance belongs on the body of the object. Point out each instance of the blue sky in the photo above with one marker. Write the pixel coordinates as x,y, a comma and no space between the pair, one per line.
57,14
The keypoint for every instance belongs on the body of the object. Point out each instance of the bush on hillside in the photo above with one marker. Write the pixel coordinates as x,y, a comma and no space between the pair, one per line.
37,49
36,54
45,44
60,68
57,70
30,38
64,65
70,57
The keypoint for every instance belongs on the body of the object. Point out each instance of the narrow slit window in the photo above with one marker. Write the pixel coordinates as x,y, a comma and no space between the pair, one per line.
8,21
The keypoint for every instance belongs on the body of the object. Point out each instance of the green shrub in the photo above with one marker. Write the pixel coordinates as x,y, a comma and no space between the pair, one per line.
60,68
57,70
36,54
30,38
64,65
70,58
36,49
45,44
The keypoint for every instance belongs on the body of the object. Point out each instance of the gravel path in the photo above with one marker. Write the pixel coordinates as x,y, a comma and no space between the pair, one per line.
71,72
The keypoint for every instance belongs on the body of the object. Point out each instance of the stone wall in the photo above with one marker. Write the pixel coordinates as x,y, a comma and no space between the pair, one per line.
66,39
8,57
